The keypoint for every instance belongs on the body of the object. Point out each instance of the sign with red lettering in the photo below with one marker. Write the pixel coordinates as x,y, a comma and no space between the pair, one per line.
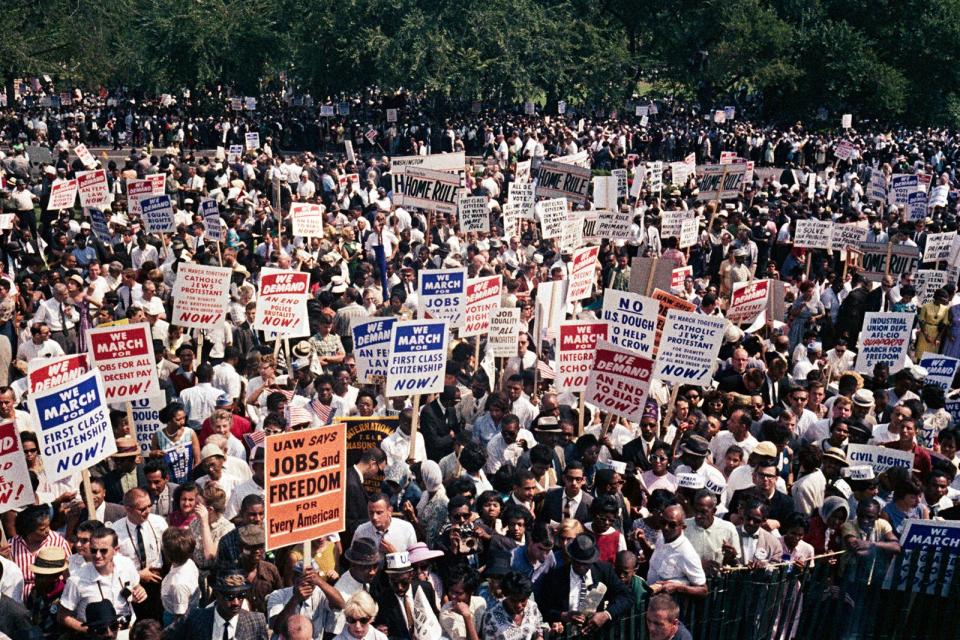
62,195
307,219
201,295
619,382
15,487
583,273
483,296
46,373
153,185
575,353
677,277
282,303
749,299
94,191
306,484
124,356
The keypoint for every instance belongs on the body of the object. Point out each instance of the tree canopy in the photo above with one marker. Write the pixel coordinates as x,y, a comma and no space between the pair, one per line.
880,59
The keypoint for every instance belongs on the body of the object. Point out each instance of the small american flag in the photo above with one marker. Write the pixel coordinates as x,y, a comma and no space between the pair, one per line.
254,439
545,370
287,394
298,415
322,411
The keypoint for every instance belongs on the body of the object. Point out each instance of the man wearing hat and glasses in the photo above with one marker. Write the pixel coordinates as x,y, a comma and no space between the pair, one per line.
364,558
226,620
693,459
563,594
49,575
400,594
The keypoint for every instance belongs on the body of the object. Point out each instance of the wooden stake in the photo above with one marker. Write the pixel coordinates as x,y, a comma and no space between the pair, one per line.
607,420
582,411
414,424
889,252
219,254
808,261
670,405
88,493
653,272
130,422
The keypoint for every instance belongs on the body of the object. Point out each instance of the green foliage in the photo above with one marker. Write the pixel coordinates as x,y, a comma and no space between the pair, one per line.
877,58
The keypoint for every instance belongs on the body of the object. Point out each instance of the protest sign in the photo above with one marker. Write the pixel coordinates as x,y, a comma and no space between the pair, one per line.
74,425
917,206
391,115
720,181
522,174
844,150
879,258
348,149
575,351
99,226
84,155
671,222
939,196
16,490
688,347
605,192
418,357
901,186
553,213
371,347
46,373
619,382
571,233
612,225
483,296
647,274
137,190
348,182
580,159
877,186
236,104
933,547
473,214
846,120
748,300
213,228
93,189
941,370
680,172
427,188
436,161
307,219
522,197
655,172
849,235
560,179
235,153
441,295
927,282
201,295
583,273
632,320
252,140
880,458
621,176
282,304
366,433
124,357
146,417
549,309
677,276
62,195
813,234
504,333
938,246
157,214
7,220
306,484
729,112
728,157
884,338
689,231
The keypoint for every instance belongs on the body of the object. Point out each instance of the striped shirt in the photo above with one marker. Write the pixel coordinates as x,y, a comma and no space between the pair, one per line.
24,558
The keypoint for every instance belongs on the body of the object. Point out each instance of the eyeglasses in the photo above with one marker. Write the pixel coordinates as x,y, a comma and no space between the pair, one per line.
765,476
363,620
100,552
28,452
660,458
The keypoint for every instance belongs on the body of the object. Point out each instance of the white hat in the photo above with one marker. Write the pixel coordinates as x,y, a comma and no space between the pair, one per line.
859,472
398,562
154,307
689,481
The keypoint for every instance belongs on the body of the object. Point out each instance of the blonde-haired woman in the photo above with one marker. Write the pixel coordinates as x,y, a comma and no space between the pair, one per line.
359,612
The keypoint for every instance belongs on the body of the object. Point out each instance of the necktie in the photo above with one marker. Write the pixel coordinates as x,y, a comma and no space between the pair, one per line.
582,596
142,548
408,611
226,630
568,508
63,319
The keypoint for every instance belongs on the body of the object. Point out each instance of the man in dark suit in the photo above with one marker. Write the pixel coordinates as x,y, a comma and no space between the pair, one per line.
765,488
439,423
125,465
775,385
571,501
560,592
245,337
211,623
852,310
397,593
637,450
879,297
107,512
371,464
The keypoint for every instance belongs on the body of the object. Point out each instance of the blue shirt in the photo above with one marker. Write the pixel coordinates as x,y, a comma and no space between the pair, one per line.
520,562
484,429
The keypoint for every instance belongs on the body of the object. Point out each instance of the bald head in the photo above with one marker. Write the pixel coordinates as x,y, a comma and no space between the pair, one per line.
299,628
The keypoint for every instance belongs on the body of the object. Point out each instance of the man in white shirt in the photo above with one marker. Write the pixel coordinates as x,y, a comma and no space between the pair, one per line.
200,400
391,534
520,405
738,433
140,539
397,444
109,576
225,376
59,313
508,445
39,346
675,566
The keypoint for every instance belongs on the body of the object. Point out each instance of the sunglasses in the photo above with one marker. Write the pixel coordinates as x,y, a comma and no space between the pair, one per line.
363,620
27,452
99,552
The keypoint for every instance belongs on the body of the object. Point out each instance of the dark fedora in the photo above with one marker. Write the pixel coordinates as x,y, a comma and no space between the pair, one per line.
583,549
696,446
363,551
100,615
498,566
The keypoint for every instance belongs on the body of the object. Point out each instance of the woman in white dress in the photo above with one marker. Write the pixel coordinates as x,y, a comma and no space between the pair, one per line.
359,612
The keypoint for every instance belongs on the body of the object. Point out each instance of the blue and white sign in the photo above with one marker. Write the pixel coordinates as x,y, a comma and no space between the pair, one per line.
418,357
631,320
212,226
927,541
98,224
442,295
74,422
940,369
901,186
371,348
157,214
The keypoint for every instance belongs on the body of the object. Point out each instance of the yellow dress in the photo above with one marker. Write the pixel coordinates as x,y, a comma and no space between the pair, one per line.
933,319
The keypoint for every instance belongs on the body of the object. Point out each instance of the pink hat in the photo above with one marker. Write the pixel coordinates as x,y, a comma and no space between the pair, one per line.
419,552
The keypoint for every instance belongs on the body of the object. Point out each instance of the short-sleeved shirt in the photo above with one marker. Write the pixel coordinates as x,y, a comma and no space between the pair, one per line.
676,561
87,586
708,543
180,590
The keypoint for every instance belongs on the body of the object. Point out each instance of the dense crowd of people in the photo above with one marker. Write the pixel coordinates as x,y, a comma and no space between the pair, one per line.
516,512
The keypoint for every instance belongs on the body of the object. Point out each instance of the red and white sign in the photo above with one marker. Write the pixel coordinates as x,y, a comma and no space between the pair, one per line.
619,382
749,300
85,156
154,185
583,273
62,195
124,356
578,343
201,295
282,304
483,296
46,373
348,181
307,219
678,276
15,487
845,150
94,191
